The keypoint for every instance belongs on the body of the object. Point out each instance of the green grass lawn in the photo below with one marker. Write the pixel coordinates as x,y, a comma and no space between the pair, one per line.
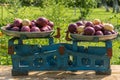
62,17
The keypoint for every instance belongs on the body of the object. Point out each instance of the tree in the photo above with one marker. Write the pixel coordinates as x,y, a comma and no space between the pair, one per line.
115,6
85,7
104,2
111,3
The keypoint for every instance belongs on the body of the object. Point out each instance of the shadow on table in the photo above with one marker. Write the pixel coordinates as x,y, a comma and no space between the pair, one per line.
60,75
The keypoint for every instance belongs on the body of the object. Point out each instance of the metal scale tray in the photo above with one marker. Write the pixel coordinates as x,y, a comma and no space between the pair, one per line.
27,34
93,38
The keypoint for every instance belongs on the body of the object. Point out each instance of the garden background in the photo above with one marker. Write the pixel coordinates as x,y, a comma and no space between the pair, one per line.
62,13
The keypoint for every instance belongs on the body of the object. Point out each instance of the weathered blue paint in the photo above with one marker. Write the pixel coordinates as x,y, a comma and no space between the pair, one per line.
48,58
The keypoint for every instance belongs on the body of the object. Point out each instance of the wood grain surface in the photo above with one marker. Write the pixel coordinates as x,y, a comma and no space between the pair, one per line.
5,74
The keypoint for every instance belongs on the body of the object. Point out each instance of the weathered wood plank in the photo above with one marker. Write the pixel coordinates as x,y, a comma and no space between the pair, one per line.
5,74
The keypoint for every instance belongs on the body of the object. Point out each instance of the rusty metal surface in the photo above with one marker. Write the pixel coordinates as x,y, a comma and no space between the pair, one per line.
10,50
5,74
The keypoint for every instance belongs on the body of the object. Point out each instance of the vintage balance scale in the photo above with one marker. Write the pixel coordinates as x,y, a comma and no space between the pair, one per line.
58,56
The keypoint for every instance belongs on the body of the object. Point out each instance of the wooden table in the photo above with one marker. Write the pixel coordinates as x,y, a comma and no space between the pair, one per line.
5,74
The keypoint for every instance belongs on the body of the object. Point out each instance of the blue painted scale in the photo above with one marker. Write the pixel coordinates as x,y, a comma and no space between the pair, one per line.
56,57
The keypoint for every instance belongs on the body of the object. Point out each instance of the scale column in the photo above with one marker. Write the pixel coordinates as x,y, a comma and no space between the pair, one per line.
109,48
51,40
74,47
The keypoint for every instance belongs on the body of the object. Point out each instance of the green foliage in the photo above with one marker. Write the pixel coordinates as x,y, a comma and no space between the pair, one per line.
55,12
3,1
32,2
13,7
85,7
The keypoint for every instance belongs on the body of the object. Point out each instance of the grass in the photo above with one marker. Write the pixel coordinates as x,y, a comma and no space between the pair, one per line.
62,17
